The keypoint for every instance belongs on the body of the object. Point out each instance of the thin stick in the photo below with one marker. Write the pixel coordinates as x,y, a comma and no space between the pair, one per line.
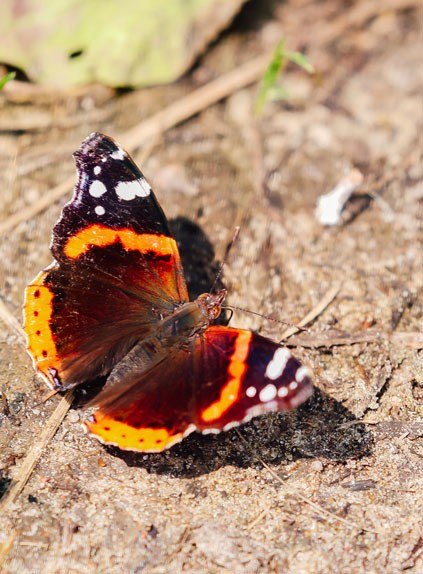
37,449
51,427
314,313
171,116
48,396
358,14
317,507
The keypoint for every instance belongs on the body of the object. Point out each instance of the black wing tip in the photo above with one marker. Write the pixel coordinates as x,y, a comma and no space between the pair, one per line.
94,146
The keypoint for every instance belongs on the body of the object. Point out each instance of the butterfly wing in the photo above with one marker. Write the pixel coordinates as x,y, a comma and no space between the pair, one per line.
116,270
146,409
241,375
225,377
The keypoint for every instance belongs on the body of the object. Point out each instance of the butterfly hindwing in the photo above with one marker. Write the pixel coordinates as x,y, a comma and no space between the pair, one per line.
146,410
241,375
116,270
225,377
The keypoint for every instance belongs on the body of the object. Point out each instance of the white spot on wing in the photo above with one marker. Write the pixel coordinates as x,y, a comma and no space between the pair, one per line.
267,393
97,188
293,385
277,365
145,186
129,190
231,425
118,154
256,410
282,392
100,210
97,170
251,392
301,374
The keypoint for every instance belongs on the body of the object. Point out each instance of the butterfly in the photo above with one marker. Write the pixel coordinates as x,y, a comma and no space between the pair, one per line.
114,303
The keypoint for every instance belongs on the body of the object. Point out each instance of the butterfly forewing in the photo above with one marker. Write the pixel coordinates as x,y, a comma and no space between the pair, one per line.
117,269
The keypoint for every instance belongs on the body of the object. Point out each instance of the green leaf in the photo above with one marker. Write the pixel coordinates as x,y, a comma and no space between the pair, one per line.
268,89
270,76
6,78
117,43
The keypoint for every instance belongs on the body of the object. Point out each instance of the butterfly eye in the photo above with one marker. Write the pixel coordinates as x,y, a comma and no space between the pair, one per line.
215,311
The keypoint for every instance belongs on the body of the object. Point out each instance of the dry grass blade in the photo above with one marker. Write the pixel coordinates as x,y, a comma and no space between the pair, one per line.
358,14
316,507
52,424
37,449
48,396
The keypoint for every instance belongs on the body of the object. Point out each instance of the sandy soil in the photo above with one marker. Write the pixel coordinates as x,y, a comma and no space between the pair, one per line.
333,487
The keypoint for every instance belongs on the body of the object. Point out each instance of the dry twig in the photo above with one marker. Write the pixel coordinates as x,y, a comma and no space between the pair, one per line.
37,449
48,432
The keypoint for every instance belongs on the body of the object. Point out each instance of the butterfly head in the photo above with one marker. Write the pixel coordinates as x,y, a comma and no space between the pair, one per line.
212,303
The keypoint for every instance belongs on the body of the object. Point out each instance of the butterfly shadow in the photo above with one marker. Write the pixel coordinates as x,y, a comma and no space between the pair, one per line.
197,256
321,428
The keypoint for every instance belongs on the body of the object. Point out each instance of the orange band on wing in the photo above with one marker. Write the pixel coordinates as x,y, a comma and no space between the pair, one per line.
101,236
236,370
38,309
144,439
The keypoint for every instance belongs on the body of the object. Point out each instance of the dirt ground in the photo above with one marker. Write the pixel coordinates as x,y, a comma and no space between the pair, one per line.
335,486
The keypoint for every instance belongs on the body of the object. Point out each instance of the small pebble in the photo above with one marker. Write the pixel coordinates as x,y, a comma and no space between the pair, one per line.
73,417
317,465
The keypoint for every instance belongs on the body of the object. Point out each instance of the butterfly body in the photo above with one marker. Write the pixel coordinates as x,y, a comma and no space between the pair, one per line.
114,303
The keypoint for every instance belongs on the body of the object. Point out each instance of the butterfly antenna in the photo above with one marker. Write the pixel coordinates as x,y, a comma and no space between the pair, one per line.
225,257
268,317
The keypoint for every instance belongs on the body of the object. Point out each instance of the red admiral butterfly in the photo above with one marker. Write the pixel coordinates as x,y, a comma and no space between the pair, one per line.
114,302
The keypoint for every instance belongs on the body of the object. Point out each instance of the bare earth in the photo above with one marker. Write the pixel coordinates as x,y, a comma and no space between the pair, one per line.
333,487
